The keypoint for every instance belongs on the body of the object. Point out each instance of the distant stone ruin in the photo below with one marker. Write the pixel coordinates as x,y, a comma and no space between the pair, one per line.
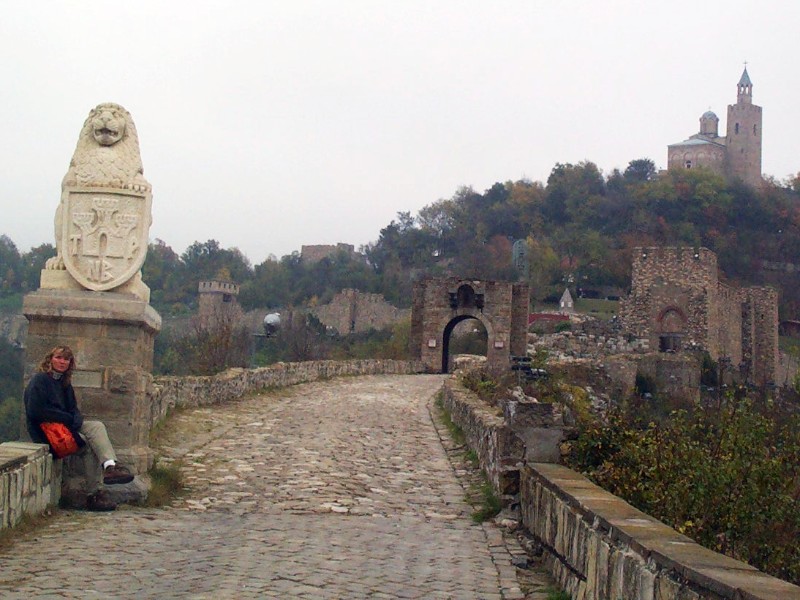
316,252
351,311
217,303
677,303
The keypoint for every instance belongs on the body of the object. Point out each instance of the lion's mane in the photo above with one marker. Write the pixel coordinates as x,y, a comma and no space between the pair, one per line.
118,165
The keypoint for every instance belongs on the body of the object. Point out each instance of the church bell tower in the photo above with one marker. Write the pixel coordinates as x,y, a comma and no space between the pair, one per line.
743,141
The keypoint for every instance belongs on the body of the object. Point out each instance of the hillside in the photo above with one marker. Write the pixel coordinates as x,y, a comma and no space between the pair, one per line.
578,229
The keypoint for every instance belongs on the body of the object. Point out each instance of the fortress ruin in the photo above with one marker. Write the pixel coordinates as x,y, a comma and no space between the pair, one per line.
677,303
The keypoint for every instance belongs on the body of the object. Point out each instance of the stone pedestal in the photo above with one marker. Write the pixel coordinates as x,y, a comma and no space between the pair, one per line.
112,336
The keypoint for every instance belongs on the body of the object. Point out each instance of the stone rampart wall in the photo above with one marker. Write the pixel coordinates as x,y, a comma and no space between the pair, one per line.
30,481
169,392
764,323
599,547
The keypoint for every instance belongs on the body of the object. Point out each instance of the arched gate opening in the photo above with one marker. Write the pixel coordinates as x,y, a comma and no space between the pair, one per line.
464,334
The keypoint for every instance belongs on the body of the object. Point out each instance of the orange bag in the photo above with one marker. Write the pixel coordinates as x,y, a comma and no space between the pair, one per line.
60,438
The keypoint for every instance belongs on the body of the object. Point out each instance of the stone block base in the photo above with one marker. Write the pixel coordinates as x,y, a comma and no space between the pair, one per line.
112,336
82,476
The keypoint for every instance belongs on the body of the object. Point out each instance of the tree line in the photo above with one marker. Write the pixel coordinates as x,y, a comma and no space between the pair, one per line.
579,228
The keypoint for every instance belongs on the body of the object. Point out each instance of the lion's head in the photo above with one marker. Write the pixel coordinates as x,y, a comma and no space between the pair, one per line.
107,132
108,123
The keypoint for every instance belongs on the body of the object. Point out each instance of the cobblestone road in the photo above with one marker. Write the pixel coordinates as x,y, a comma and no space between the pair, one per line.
337,489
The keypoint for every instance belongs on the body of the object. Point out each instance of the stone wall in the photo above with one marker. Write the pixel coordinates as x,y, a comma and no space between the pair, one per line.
599,547
617,361
676,376
500,451
169,392
217,304
14,328
577,344
673,290
30,481
351,311
760,334
787,369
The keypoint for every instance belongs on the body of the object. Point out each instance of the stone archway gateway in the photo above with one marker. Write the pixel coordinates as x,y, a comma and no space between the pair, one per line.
439,304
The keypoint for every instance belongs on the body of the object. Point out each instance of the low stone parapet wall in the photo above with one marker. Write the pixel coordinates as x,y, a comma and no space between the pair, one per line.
170,392
599,547
30,481
499,449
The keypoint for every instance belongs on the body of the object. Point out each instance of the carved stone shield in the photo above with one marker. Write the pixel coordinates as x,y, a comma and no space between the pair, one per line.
104,234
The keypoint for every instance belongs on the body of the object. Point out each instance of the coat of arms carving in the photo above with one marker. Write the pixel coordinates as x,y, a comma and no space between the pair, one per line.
104,235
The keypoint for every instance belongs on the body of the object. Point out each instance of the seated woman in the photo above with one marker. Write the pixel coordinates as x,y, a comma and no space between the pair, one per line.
50,398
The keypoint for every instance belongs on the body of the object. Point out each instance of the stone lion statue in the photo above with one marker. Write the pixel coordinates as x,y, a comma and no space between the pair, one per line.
107,156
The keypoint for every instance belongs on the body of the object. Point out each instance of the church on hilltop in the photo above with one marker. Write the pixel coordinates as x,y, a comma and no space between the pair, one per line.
738,154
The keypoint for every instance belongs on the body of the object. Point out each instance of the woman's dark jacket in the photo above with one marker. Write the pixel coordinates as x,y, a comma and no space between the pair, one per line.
48,401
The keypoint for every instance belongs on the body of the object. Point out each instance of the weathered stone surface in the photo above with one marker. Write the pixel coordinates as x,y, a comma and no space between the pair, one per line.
620,552
28,482
352,311
112,336
104,216
440,304
500,451
677,298
335,489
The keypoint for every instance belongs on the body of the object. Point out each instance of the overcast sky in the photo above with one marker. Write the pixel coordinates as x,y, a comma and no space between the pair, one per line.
269,125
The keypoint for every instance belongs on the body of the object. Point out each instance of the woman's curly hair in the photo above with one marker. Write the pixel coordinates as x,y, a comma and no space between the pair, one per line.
64,351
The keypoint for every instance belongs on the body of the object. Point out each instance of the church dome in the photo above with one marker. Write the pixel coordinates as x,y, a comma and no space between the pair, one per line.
709,124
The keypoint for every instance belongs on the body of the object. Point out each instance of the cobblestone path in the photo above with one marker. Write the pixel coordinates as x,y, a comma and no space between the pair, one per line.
336,489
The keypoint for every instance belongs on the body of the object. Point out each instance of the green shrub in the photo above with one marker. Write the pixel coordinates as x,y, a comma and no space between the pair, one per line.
709,371
727,476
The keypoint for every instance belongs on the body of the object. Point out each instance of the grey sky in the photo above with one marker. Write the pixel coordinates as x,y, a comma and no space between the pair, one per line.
268,125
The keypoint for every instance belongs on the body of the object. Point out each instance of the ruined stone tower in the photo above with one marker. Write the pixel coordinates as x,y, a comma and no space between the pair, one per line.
678,304
217,303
